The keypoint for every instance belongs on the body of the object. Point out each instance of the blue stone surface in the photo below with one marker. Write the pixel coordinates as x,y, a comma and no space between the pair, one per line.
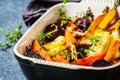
11,17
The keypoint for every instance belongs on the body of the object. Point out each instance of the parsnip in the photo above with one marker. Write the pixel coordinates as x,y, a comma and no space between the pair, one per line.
103,43
60,40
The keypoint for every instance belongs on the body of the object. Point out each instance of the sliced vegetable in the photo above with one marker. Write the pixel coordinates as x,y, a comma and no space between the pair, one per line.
116,32
100,43
92,28
69,38
60,40
58,58
115,35
103,44
117,54
114,46
36,48
56,50
94,25
109,17
90,59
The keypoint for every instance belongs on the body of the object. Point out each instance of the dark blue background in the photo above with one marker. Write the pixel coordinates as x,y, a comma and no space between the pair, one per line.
10,17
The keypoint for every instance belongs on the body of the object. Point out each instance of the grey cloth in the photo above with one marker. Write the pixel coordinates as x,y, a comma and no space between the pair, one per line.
38,7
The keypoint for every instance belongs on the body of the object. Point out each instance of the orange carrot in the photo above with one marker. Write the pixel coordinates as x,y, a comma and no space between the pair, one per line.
114,46
36,48
69,38
61,59
90,59
92,28
109,17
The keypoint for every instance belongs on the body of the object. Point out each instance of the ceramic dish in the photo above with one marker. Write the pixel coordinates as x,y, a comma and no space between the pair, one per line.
36,69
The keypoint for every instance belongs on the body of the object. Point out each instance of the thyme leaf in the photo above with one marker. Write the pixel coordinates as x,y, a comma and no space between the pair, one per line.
10,37
94,41
43,36
64,18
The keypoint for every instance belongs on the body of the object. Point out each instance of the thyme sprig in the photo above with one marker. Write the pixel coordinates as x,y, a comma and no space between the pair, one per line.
94,41
9,36
43,36
64,18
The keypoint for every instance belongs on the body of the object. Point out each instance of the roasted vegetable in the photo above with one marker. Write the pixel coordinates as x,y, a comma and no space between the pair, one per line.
55,29
85,19
100,43
60,40
37,49
83,23
61,59
113,48
69,38
101,63
109,17
92,28
94,25
90,59
32,54
56,50
69,41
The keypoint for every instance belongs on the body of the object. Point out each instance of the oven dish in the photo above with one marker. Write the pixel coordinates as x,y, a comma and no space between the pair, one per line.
37,69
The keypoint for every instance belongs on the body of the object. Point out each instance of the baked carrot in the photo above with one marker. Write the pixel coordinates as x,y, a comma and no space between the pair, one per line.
90,59
114,46
109,17
69,37
92,28
36,48
61,59
94,25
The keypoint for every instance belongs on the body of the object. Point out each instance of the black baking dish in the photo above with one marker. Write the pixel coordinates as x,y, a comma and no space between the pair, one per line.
36,69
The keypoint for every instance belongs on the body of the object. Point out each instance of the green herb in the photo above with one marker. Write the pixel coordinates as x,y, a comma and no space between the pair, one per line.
70,54
73,52
10,36
64,18
64,1
43,36
66,54
94,41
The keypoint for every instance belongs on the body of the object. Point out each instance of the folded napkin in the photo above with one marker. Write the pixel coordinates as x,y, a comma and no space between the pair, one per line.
38,7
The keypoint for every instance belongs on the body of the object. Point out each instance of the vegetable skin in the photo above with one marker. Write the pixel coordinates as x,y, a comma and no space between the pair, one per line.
90,59
36,48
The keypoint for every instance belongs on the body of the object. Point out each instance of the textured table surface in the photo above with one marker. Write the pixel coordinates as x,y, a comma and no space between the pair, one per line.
10,17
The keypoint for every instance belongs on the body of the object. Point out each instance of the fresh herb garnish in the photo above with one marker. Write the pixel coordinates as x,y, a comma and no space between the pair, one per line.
64,18
94,41
10,37
43,36
73,52
70,54
64,1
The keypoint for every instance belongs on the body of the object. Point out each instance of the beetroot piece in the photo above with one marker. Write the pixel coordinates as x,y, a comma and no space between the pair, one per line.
101,63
